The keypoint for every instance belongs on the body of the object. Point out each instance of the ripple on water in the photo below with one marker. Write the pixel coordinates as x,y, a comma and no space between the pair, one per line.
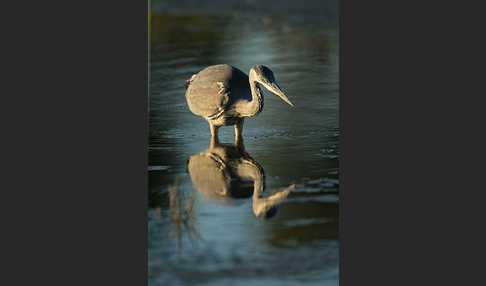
326,198
158,168
308,221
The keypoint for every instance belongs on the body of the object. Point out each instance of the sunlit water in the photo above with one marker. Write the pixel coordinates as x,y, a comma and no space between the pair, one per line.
224,242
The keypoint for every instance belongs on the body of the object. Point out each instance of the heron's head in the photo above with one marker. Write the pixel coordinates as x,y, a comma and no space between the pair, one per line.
264,76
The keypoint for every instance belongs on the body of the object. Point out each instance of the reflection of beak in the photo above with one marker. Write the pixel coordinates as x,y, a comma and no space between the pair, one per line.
262,205
273,87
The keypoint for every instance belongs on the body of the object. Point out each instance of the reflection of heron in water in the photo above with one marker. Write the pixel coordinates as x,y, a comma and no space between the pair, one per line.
226,171
224,95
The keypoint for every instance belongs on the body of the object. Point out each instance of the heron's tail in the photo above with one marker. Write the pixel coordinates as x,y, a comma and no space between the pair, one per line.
188,82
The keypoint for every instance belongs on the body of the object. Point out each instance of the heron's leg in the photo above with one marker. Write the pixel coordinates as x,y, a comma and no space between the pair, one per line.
239,133
214,134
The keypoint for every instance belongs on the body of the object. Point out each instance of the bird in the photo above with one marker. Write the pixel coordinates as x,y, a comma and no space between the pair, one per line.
225,96
225,171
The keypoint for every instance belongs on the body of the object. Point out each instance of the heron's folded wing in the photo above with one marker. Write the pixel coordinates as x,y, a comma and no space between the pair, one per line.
208,98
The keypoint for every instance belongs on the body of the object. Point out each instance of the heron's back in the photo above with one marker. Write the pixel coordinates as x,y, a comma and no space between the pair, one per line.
215,88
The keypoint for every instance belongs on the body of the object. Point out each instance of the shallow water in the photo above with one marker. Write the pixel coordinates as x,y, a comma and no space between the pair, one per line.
223,241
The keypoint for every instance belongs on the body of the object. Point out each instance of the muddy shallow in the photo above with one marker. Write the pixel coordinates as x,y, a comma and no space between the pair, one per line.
223,240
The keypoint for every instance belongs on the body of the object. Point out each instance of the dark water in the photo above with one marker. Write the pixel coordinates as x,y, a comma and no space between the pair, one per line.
224,242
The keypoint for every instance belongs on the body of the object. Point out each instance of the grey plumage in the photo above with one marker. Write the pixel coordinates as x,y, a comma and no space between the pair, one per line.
224,95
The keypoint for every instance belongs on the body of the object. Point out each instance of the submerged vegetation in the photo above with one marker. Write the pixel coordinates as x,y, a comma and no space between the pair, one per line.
182,215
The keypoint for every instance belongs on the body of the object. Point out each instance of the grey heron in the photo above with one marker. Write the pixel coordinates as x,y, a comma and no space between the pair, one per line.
224,95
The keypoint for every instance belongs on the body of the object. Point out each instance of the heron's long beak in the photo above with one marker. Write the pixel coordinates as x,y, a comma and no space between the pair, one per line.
273,87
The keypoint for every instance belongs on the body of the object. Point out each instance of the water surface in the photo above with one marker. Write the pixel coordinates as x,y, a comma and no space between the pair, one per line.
224,242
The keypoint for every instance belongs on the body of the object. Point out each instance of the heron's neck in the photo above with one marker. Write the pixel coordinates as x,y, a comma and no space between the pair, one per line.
256,104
